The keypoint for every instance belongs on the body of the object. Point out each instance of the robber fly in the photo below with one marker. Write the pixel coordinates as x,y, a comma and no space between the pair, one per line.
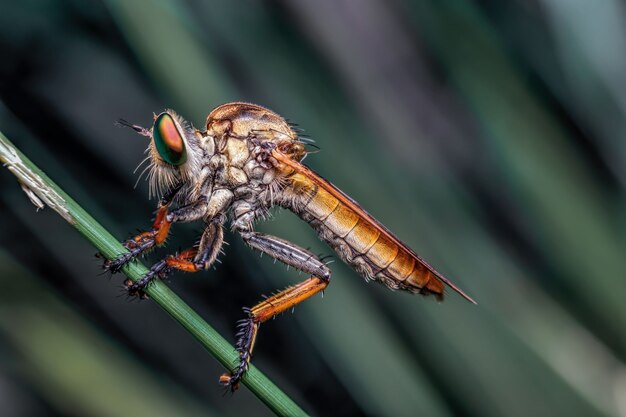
246,161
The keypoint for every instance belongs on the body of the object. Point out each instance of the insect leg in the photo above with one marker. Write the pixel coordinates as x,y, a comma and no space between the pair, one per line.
291,255
190,260
212,208
145,241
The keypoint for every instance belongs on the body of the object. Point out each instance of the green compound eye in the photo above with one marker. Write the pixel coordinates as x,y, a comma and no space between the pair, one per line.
168,140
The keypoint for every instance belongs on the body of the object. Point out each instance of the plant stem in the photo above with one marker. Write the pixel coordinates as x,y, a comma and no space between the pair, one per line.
41,190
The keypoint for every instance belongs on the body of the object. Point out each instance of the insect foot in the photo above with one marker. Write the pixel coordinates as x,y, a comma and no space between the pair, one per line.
134,290
246,336
115,265
230,381
136,246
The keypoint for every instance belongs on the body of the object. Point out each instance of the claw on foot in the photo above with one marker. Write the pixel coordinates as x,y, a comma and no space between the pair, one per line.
229,381
134,290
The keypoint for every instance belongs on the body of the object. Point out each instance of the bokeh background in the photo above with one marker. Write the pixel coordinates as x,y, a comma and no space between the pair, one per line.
489,135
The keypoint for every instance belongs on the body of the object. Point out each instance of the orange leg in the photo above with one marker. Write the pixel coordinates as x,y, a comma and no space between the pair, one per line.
158,234
289,254
143,242
146,241
182,261
263,311
190,260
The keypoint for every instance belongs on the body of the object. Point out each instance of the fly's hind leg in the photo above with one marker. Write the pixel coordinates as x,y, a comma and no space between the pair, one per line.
191,260
292,255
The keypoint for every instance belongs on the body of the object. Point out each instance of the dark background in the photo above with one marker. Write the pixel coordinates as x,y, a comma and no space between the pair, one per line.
489,135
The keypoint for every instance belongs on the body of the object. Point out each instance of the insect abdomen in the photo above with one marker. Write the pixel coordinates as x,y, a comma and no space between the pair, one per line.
361,243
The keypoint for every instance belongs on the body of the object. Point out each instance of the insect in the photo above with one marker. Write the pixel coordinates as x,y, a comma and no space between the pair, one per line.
246,161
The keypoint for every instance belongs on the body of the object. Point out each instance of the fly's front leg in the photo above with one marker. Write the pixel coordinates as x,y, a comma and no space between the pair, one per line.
292,255
146,241
194,259
191,260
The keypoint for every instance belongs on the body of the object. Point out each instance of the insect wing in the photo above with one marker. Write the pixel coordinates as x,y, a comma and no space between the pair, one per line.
367,220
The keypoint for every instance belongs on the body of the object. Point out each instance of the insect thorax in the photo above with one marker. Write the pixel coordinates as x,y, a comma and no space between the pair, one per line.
232,157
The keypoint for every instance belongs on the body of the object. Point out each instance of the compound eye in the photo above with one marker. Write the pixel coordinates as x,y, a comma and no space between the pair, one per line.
169,140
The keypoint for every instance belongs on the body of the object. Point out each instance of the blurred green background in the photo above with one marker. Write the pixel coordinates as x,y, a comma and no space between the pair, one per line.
489,135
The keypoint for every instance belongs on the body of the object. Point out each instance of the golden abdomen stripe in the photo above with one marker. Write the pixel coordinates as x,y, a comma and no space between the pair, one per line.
322,204
362,237
342,220
383,252
402,266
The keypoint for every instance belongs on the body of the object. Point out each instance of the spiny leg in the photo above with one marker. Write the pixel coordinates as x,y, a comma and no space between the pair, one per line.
265,310
291,255
145,241
190,260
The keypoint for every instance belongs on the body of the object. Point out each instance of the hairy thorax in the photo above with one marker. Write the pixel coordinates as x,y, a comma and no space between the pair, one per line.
243,170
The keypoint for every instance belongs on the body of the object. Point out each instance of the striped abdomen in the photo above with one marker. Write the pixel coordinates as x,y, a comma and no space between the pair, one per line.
363,243
358,238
